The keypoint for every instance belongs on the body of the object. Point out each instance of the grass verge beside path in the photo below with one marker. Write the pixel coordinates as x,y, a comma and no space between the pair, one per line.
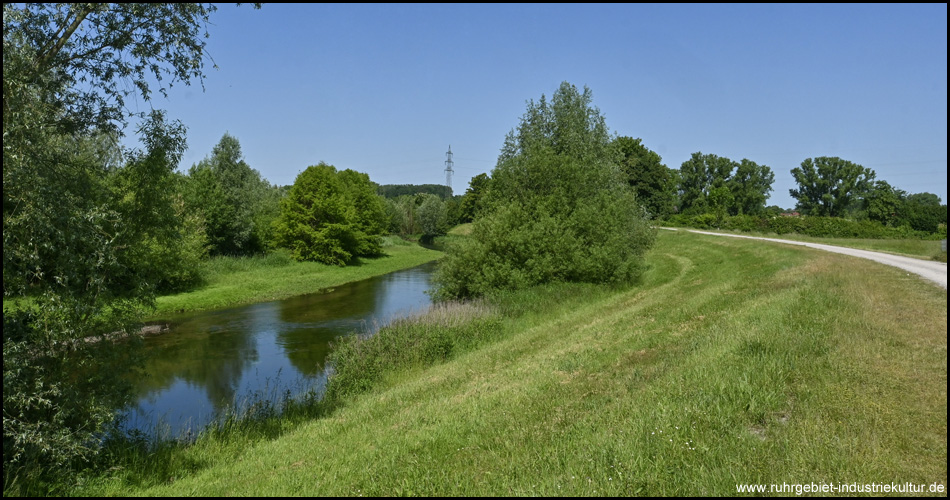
734,362
235,281
919,249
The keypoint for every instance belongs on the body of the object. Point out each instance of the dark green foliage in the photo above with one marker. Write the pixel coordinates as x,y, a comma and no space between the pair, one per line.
557,210
750,185
472,199
720,186
883,203
652,182
331,217
829,186
397,190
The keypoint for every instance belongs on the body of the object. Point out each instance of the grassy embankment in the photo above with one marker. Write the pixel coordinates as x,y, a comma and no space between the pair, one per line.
231,281
919,249
735,361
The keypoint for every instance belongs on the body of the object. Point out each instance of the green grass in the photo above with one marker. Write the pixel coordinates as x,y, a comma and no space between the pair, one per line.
231,281
734,361
920,249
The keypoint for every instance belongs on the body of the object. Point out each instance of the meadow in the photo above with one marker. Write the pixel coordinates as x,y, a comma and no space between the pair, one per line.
732,362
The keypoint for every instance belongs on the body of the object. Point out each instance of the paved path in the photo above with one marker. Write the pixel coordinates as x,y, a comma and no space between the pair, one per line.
931,270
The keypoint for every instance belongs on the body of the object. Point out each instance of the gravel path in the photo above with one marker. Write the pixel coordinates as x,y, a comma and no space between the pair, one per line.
931,270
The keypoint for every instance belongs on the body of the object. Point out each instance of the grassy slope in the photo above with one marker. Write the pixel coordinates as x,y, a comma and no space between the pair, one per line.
734,362
235,281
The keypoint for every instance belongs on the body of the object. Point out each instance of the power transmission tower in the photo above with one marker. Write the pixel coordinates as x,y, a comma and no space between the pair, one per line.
448,169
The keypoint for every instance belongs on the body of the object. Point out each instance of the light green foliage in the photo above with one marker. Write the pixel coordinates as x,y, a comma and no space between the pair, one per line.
651,180
557,209
432,217
331,217
829,186
237,204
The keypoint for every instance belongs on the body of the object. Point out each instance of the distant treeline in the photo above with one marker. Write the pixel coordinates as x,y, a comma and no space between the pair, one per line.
397,190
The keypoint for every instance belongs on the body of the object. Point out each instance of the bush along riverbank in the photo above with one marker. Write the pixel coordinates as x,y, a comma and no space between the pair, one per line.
732,361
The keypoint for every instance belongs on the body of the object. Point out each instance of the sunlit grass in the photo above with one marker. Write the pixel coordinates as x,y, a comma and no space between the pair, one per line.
231,281
920,249
734,361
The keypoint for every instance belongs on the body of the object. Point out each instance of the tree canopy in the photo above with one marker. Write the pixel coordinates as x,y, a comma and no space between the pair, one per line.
711,183
653,183
829,186
557,209
331,217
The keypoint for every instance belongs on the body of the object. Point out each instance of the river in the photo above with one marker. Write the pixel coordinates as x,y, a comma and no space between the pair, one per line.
209,362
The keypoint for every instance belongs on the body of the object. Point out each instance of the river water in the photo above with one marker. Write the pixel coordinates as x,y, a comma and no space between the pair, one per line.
212,361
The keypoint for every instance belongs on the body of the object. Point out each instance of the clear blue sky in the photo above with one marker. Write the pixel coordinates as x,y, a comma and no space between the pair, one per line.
385,89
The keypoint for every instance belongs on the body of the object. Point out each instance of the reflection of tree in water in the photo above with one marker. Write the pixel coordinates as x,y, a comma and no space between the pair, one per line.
208,351
311,322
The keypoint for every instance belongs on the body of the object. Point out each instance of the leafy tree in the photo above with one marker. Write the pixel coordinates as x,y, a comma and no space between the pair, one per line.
557,209
750,186
471,200
829,186
924,199
330,217
923,212
237,204
698,177
86,227
369,216
651,180
432,217
883,203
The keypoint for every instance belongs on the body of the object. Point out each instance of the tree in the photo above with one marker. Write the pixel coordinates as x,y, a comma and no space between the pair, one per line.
651,180
331,217
883,203
83,221
829,186
750,186
234,199
557,209
471,200
698,177
924,199
923,212
432,217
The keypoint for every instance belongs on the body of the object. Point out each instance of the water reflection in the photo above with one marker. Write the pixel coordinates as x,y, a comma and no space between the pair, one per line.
211,361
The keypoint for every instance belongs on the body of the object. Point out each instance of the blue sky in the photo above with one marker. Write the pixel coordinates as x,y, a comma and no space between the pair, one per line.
386,88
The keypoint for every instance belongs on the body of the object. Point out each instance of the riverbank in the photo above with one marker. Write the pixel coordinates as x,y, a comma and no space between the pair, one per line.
734,361
233,281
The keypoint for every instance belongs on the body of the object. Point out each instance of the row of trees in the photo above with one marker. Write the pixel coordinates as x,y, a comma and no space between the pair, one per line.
718,186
